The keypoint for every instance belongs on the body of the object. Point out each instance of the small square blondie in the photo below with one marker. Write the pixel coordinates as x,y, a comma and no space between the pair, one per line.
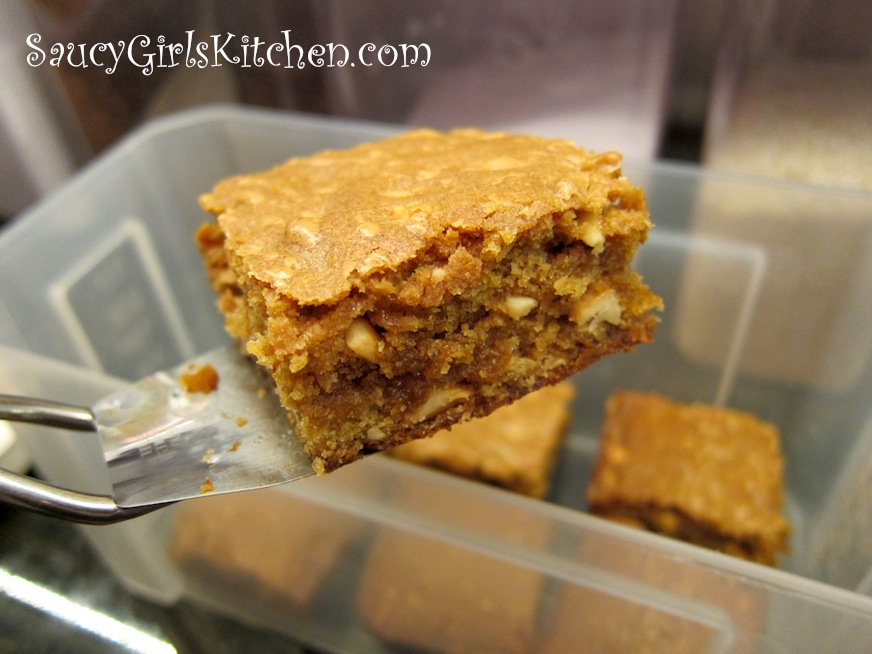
514,447
708,475
270,547
398,287
423,593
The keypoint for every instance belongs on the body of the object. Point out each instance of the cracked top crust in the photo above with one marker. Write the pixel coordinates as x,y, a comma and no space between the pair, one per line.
313,228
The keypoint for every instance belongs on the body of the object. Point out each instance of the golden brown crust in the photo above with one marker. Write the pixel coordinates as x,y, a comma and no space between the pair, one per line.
514,447
396,288
709,475
314,228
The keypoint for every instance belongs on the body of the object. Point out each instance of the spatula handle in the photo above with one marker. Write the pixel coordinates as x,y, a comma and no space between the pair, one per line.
44,412
38,496
35,495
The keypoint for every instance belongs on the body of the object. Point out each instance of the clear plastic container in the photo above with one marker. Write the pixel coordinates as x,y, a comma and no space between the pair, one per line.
101,282
594,72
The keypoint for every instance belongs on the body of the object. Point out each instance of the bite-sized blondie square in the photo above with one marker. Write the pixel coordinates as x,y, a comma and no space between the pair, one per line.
708,475
591,617
267,547
398,287
514,447
424,594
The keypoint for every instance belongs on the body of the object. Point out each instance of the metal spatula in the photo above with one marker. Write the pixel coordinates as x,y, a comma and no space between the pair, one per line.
164,443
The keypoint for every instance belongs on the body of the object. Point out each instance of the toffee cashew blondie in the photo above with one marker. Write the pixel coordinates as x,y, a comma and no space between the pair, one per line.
395,288
514,447
708,475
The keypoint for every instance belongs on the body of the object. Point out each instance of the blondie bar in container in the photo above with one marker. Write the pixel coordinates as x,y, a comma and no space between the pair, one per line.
709,475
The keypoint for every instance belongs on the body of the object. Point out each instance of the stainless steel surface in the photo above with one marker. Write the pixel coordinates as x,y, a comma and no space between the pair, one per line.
43,412
163,443
34,495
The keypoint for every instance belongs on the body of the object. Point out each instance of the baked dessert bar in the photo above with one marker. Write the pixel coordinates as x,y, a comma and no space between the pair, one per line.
514,447
397,287
708,475
274,549
591,617
424,594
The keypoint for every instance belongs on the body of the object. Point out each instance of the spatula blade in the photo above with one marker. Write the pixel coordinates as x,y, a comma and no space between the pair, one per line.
163,443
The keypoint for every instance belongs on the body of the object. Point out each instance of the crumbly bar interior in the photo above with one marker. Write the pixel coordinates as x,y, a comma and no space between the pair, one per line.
473,321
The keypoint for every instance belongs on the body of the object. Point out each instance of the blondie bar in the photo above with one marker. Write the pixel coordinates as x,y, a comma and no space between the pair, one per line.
398,287
708,475
514,447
